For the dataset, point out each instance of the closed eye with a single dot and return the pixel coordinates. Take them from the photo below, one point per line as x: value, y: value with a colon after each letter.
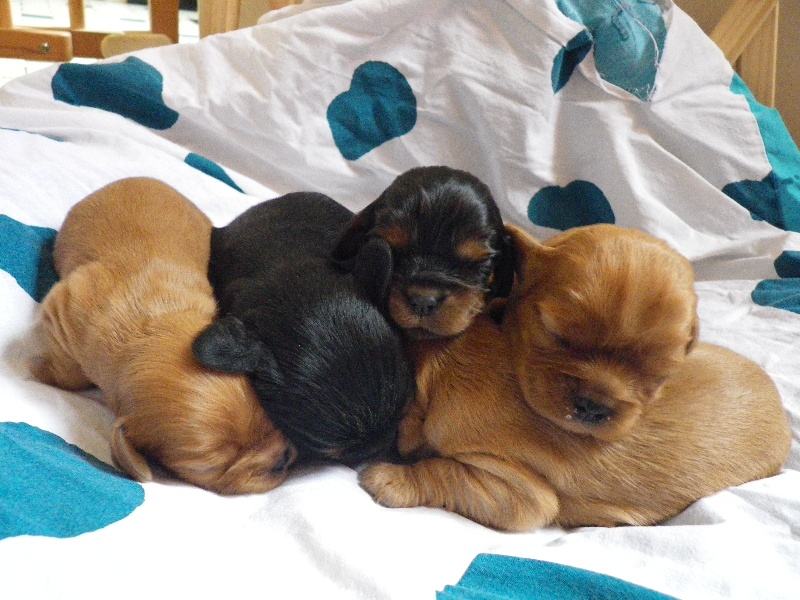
x: 560, y: 341
x: 552, y: 329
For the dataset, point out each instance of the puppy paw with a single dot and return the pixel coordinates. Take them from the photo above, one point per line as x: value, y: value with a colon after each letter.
x: 390, y: 485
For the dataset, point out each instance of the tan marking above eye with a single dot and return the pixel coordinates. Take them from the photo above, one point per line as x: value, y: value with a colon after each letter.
x: 396, y: 236
x: 473, y: 250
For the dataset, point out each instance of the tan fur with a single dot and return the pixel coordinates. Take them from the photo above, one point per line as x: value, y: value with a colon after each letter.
x: 489, y: 422
x: 455, y: 313
x: 133, y: 295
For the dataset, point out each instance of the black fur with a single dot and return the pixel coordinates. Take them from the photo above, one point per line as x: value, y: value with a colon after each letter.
x: 328, y: 368
x: 438, y: 208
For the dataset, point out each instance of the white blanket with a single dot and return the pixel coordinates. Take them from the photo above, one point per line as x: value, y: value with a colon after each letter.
x: 572, y: 111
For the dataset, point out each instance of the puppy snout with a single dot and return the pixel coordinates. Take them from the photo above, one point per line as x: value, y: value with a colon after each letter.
x: 423, y: 304
x: 590, y: 412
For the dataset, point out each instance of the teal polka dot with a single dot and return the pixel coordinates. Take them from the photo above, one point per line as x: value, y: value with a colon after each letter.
x: 628, y: 37
x: 201, y: 163
x: 777, y: 198
x: 578, y: 203
x: 26, y: 253
x: 131, y: 88
x: 568, y: 59
x: 761, y: 198
x: 51, y: 488
x: 494, y: 576
x: 379, y: 106
x: 788, y: 264
x: 778, y: 293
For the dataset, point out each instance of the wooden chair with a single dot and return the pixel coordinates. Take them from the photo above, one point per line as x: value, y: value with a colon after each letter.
x: 62, y: 44
x: 748, y: 36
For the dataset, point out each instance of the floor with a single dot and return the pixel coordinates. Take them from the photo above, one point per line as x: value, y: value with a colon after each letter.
x: 102, y: 15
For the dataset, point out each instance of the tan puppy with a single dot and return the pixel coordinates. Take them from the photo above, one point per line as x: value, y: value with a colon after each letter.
x: 133, y: 295
x: 584, y: 407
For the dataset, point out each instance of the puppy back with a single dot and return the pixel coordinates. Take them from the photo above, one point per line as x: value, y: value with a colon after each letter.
x: 205, y: 427
x: 727, y: 408
x: 132, y: 219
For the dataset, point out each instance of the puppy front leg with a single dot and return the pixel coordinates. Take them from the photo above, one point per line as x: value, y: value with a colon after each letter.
x: 489, y: 491
x: 410, y: 439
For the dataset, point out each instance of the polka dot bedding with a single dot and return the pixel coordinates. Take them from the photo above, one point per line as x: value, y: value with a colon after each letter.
x: 573, y: 112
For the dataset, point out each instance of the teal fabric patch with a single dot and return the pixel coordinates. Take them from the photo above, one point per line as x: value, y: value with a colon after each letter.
x: 778, y: 293
x: 779, y: 195
x: 201, y: 163
x: 568, y: 59
x: 628, y: 37
x: 578, y: 203
x: 51, y: 488
x: 761, y: 198
x: 131, y: 88
x: 26, y: 253
x: 379, y: 106
x: 496, y: 577
x: 788, y: 264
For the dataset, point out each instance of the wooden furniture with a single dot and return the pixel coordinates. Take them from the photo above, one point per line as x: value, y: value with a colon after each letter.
x: 219, y: 16
x: 748, y: 36
x: 62, y: 44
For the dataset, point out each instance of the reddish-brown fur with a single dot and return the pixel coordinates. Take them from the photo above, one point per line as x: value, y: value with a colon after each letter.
x: 489, y: 424
x: 133, y: 295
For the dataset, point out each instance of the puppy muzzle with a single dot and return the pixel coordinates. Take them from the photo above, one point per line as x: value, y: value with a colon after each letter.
x: 424, y: 301
x: 588, y: 411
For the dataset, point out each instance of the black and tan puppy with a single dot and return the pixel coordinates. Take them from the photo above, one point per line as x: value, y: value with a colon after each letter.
x: 327, y: 366
x: 451, y: 253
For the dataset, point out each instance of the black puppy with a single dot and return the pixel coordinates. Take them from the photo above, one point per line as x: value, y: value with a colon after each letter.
x: 450, y: 250
x: 325, y: 363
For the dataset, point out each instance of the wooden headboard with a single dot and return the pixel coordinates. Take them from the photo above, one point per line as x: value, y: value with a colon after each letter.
x: 748, y: 35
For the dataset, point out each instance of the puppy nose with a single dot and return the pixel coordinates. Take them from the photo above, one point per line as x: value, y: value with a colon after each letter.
x: 289, y: 455
x: 589, y: 411
x: 423, y: 304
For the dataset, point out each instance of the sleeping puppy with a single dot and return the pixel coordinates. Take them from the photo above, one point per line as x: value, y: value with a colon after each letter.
x: 592, y: 403
x: 451, y: 254
x: 326, y: 364
x: 133, y: 295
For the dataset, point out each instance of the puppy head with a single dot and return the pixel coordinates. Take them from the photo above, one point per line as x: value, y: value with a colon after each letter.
x: 207, y: 428
x: 599, y: 318
x: 333, y: 377
x: 450, y: 251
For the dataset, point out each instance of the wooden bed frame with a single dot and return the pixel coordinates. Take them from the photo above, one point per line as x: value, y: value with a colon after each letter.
x: 747, y: 34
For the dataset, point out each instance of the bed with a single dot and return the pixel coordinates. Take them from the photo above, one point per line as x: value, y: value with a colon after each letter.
x: 571, y: 111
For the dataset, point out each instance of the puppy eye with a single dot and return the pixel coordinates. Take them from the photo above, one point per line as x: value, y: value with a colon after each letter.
x: 561, y: 342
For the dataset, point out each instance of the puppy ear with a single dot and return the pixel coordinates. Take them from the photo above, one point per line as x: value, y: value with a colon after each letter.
x: 526, y: 249
x: 126, y: 456
x: 372, y: 270
x: 227, y: 346
x: 503, y: 275
x: 355, y: 234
